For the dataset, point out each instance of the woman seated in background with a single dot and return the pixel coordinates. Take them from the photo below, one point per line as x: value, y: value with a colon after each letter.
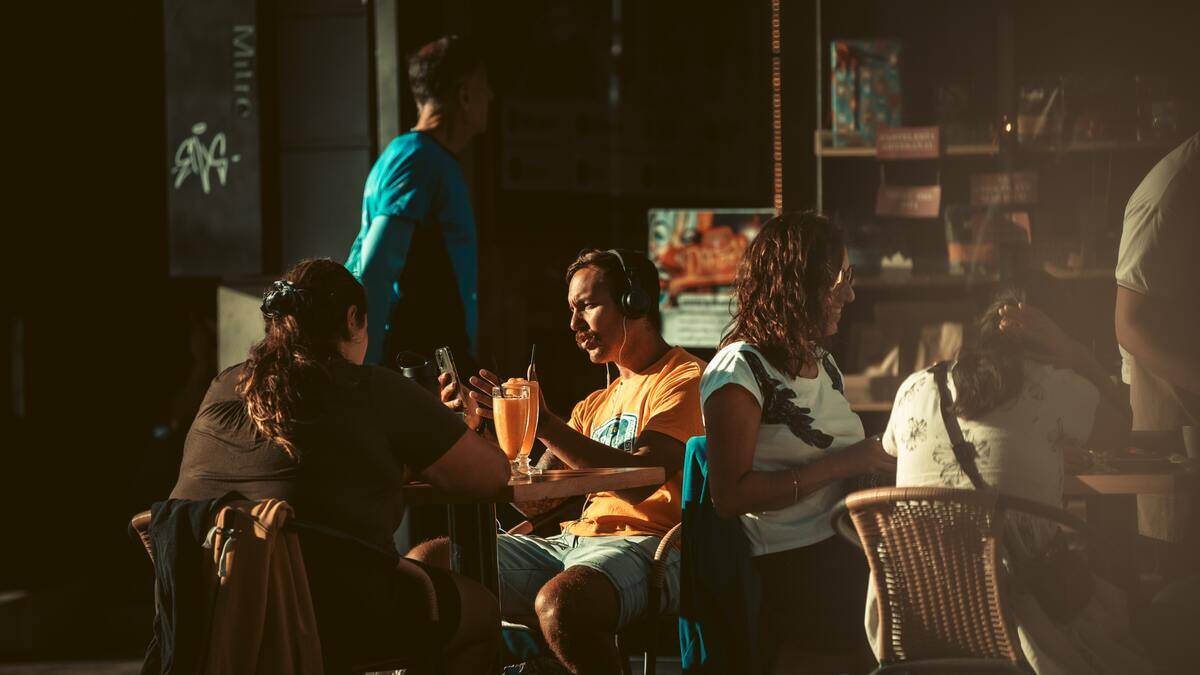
x: 1028, y: 398
x: 303, y: 420
x: 782, y: 439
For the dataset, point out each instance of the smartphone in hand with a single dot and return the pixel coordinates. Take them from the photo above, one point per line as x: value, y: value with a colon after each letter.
x: 445, y: 364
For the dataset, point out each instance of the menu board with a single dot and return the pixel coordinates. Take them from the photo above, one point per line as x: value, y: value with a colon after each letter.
x: 697, y: 252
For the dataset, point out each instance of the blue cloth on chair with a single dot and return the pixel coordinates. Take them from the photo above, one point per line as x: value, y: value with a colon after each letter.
x: 720, y: 594
x: 521, y: 644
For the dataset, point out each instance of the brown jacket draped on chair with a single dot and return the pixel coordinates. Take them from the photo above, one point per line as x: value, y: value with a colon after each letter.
x: 261, y: 618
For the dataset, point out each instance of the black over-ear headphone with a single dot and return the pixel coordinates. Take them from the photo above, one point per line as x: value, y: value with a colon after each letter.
x: 634, y: 303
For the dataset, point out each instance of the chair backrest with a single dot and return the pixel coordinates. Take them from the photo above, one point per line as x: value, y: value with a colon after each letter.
x: 934, y: 557
x: 140, y: 525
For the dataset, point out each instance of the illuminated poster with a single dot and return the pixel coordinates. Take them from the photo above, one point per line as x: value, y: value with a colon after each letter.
x: 697, y: 253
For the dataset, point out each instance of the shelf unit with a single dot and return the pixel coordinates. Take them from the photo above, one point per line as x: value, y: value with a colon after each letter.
x: 823, y: 147
x: 1057, y: 284
x: 986, y: 51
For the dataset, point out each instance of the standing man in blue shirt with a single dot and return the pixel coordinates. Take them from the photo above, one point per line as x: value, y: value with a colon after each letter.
x: 416, y: 250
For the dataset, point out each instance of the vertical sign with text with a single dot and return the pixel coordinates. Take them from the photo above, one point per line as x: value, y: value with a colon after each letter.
x: 213, y: 155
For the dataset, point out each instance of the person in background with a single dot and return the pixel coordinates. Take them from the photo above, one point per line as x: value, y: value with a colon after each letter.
x: 1158, y: 283
x: 303, y: 420
x: 416, y: 248
x: 583, y: 585
x: 1028, y: 398
x: 1157, y: 322
x: 782, y: 440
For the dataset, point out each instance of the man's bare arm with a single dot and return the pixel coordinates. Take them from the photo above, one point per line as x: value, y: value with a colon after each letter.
x: 580, y: 452
x: 549, y: 461
x: 533, y: 509
x: 1157, y: 339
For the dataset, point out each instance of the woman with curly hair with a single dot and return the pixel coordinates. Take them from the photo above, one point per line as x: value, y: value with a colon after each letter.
x: 303, y: 420
x: 782, y: 439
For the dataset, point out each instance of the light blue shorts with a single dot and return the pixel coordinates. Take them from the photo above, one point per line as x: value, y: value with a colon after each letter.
x: 527, y: 563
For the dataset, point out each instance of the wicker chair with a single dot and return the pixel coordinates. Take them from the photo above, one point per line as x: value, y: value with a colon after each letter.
x: 139, y: 528
x: 646, y: 631
x: 934, y: 555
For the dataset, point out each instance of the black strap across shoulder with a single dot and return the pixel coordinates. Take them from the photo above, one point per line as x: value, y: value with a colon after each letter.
x: 964, y: 450
x: 1059, y: 579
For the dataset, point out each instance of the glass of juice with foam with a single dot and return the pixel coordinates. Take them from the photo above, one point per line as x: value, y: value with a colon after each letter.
x: 514, y: 408
x: 531, y: 424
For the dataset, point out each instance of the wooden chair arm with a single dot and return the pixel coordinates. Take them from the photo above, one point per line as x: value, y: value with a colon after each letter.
x: 658, y: 570
x: 667, y: 542
x: 139, y: 530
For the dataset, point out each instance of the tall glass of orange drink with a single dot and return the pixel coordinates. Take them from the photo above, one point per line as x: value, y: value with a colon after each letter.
x: 531, y: 422
x: 512, y: 405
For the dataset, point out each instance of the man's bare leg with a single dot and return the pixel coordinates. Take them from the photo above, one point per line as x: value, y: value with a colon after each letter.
x: 578, y: 611
x: 435, y: 553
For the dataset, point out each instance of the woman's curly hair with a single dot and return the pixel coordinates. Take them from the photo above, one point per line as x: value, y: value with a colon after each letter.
x: 782, y: 289
x: 286, y: 378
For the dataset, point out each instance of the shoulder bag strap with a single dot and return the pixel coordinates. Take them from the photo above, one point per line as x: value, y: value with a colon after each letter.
x: 964, y: 451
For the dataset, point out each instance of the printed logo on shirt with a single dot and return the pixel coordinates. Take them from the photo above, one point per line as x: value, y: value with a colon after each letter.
x: 619, y: 432
x: 778, y: 407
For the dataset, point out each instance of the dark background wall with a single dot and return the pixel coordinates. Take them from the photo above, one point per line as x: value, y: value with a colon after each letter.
x: 86, y: 288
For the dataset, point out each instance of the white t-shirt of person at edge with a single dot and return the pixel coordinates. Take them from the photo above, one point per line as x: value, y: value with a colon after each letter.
x: 1160, y: 236
x: 802, y: 420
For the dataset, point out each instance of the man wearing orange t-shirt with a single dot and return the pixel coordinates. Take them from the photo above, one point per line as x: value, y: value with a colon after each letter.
x: 588, y: 582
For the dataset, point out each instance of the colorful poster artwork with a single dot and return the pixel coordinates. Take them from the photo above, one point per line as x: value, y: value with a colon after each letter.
x: 697, y: 252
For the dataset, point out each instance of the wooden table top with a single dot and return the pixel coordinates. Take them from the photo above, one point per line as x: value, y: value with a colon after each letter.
x: 551, y: 484
x: 1158, y: 483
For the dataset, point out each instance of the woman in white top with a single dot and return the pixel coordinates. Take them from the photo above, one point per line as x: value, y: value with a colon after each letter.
x: 782, y: 438
x: 1027, y: 397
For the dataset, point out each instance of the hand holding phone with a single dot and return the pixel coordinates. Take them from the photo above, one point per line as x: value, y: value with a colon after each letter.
x: 453, y: 393
x: 475, y: 406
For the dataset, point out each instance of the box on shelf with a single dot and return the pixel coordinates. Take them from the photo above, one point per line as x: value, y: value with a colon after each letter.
x: 864, y: 89
x: 900, y: 143
x: 1002, y: 189
x: 908, y: 201
x: 1041, y: 111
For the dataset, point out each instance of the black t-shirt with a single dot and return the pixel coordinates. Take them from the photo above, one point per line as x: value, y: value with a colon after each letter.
x: 370, y: 426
